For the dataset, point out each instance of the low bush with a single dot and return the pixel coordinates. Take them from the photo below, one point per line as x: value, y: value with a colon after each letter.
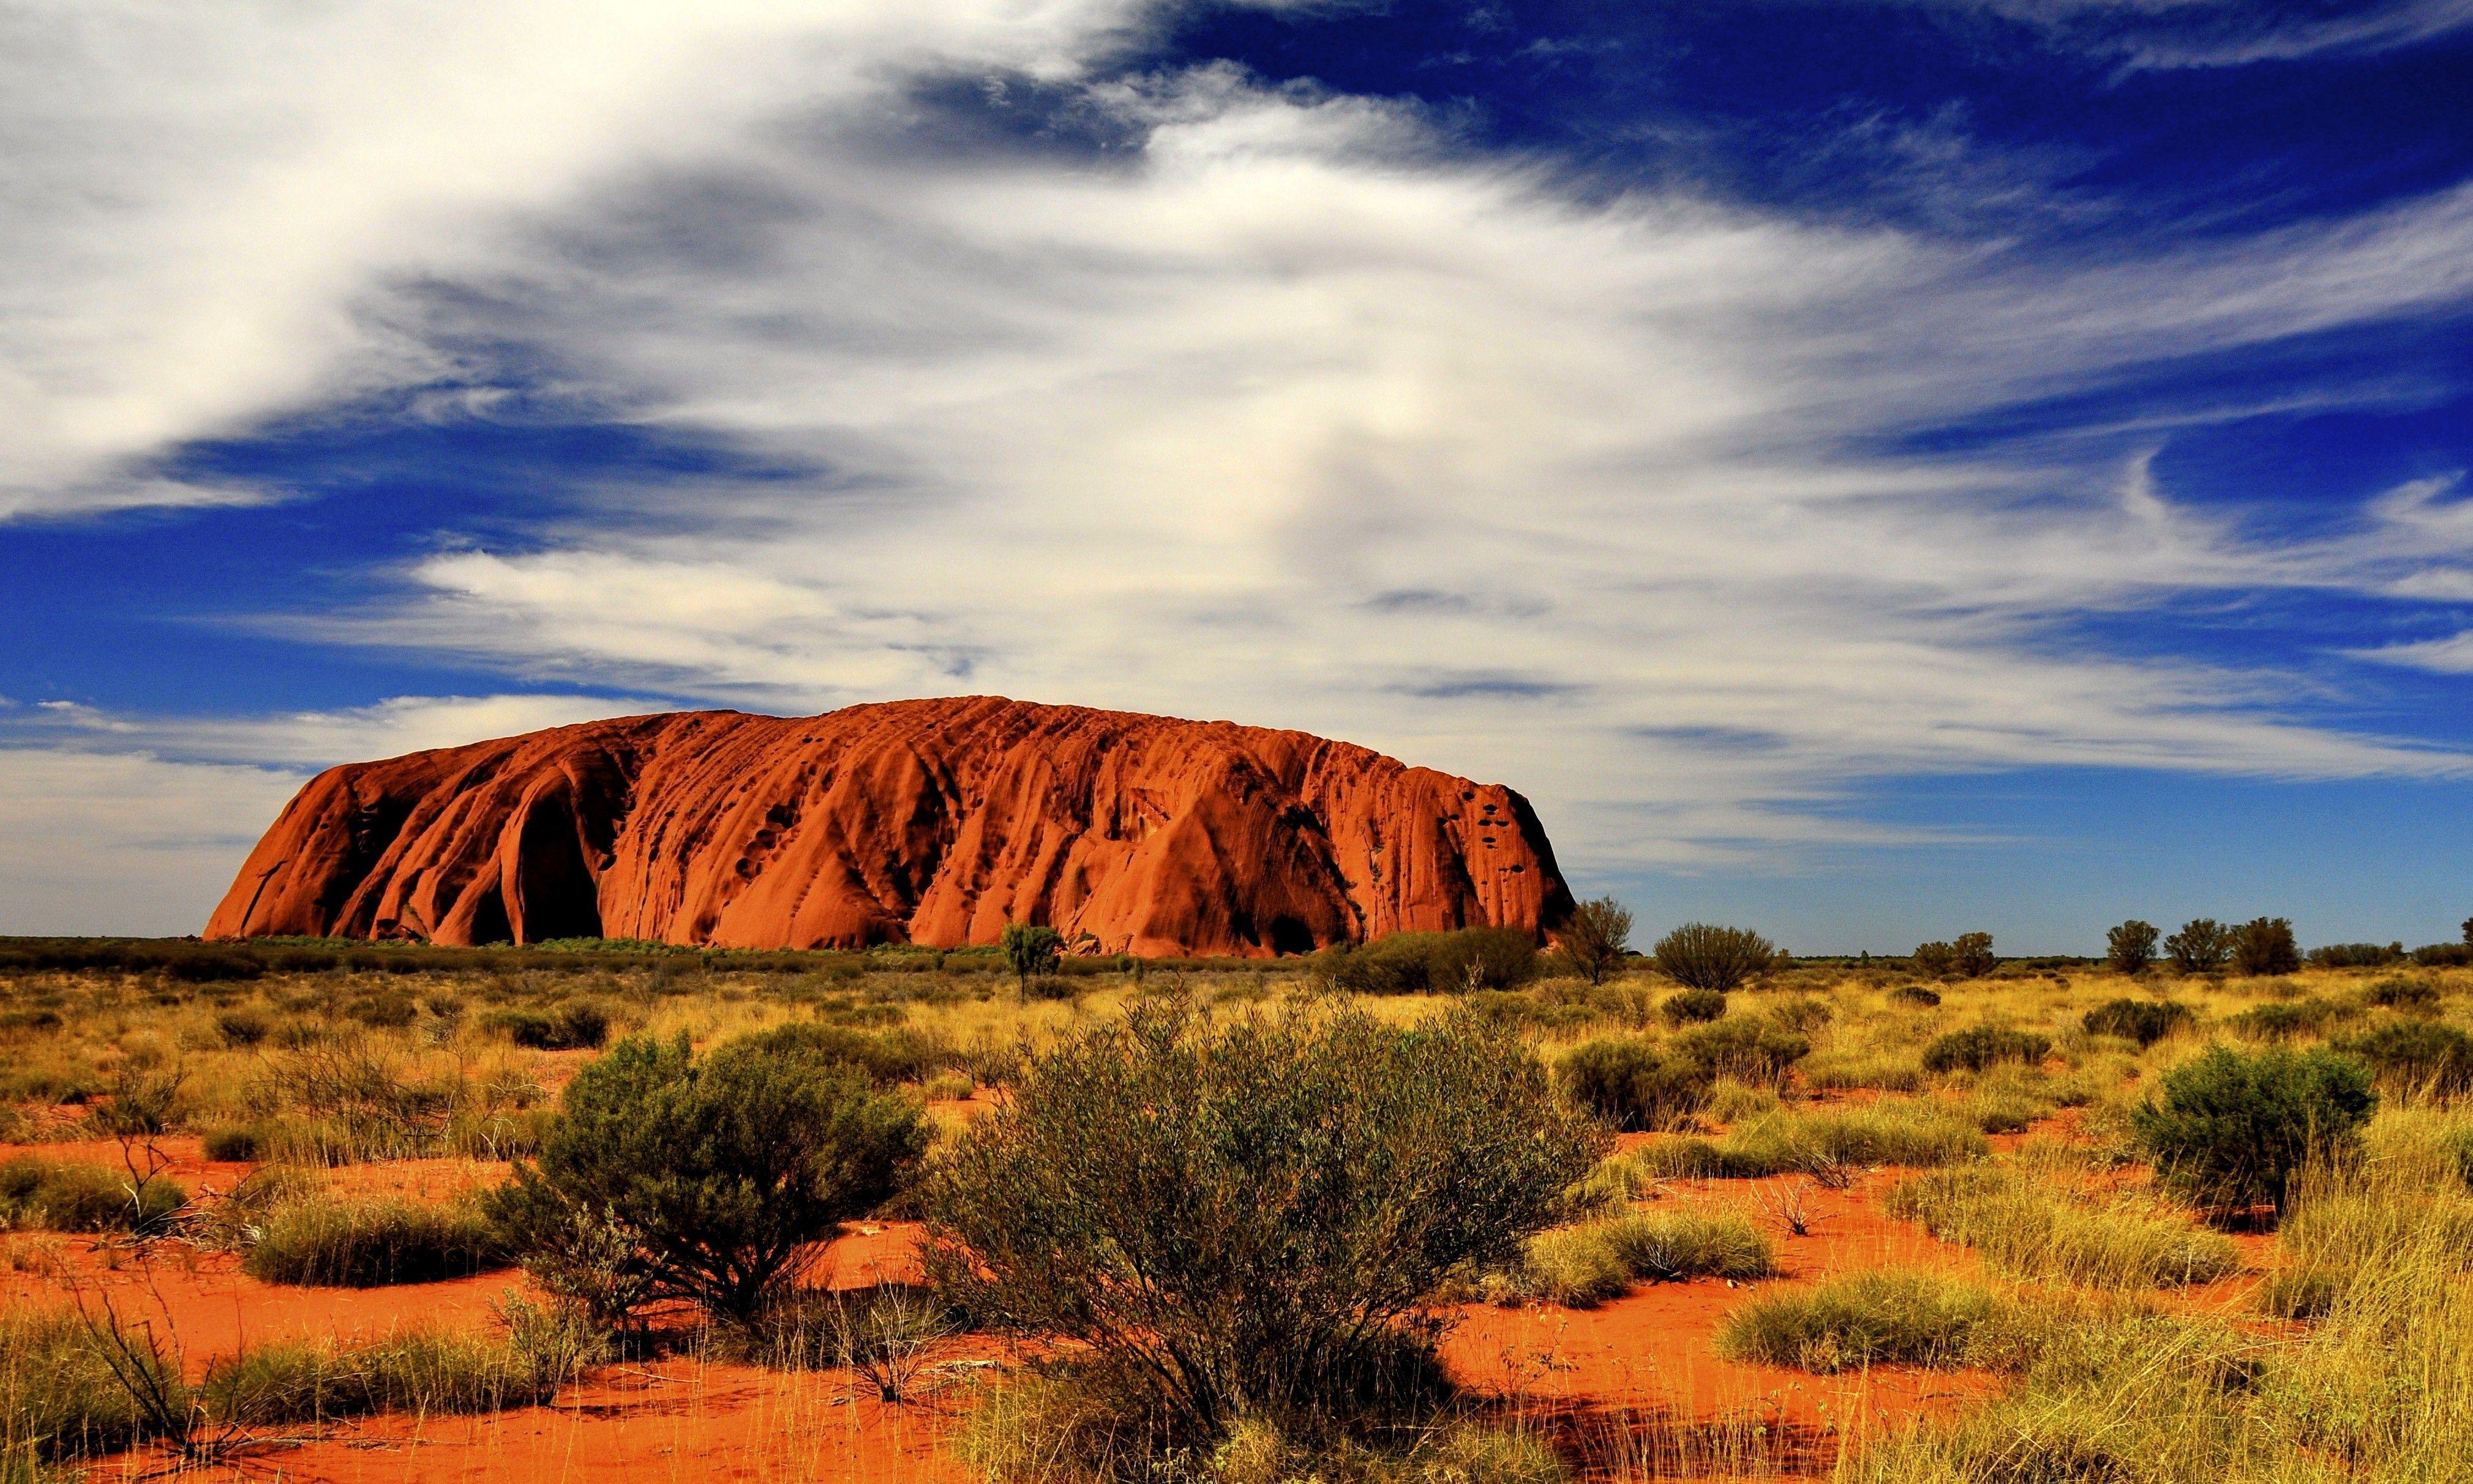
x: 59, y: 1195
x: 2029, y: 1229
x: 709, y: 1178
x: 1690, y: 1007
x: 1886, y: 1317
x: 2399, y: 992
x: 1888, y: 1071
x: 1980, y: 1046
x: 575, y: 1025
x: 2286, y: 1020
x: 1580, y: 1266
x: 1824, y: 1141
x: 244, y: 1028
x: 2144, y: 1022
x: 1240, y: 1217
x: 1701, y: 956
x: 2358, y: 955
x: 2231, y: 1131
x: 235, y: 1143
x: 1451, y: 963
x: 62, y: 1391
x: 427, y: 1370
x: 2416, y: 1057
x: 1745, y: 1047
x: 1633, y: 1080
x: 327, y: 1243
x: 1915, y: 996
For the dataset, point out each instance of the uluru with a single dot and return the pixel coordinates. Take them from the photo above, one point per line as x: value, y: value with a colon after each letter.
x: 933, y: 822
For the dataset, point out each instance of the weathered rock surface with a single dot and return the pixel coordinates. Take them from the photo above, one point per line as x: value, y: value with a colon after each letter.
x: 928, y: 822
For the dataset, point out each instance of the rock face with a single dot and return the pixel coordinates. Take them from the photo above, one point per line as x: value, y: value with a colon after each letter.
x: 928, y: 822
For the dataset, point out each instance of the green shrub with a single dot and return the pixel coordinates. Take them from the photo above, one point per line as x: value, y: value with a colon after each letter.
x: 2231, y: 1129
x: 1971, y: 955
x: 1690, y: 1007
x: 888, y: 1058
x: 2144, y: 1022
x: 1242, y: 1215
x: 2399, y: 992
x: 2416, y: 1055
x: 319, y: 1242
x: 1866, y: 1319
x: 57, y: 1195
x: 246, y: 1027
x: 1453, y: 963
x: 2264, y: 945
x: 1632, y: 1080
x: 1915, y: 996
x: 2284, y: 1019
x: 1701, y: 956
x: 574, y: 1026
x: 1980, y: 1046
x: 705, y: 1179
x: 1744, y: 1047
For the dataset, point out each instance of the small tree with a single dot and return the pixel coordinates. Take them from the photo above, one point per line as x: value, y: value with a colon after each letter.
x: 1971, y: 955
x: 1935, y: 959
x: 2199, y: 948
x: 2264, y: 945
x: 1030, y: 949
x: 2232, y: 1130
x: 2131, y: 946
x: 1705, y: 957
x: 2468, y: 932
x: 1594, y: 938
x: 670, y: 1177
x: 1240, y: 1218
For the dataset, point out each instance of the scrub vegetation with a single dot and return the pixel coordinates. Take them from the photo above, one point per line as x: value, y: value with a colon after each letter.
x: 2197, y: 1210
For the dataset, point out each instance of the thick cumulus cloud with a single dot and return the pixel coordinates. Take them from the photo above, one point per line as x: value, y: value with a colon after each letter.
x: 1187, y: 394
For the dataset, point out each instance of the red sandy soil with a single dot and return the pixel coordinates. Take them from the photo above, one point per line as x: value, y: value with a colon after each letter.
x: 1629, y: 1368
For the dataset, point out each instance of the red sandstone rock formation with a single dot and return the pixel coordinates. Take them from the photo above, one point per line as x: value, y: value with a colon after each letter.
x: 930, y: 822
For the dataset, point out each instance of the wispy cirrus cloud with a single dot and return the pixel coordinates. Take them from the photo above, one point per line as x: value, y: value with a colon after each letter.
x: 1168, y: 409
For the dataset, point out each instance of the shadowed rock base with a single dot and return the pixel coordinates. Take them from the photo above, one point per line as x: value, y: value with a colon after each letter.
x: 928, y: 822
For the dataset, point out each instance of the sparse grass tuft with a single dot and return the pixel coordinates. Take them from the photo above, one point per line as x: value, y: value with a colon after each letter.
x: 1887, y: 1316
x: 1819, y: 1141
x: 321, y: 1243
x: 59, y: 1195
x: 2030, y: 1229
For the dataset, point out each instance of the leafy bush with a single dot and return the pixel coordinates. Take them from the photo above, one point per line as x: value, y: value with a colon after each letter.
x: 1632, y: 1080
x: 1745, y: 1047
x: 2264, y: 947
x: 2231, y: 1129
x: 1915, y: 996
x: 1240, y: 1217
x: 1701, y: 956
x: 2358, y: 955
x: 1935, y: 959
x: 574, y: 1026
x: 1690, y: 1007
x: 1980, y: 1046
x: 57, y: 1195
x: 1594, y: 938
x: 1030, y: 949
x: 705, y: 1179
x: 2144, y: 1022
x: 2398, y: 992
x: 2131, y: 946
x: 1884, y: 1317
x: 2415, y: 1056
x: 323, y: 1243
x: 2200, y: 947
x: 1453, y: 963
x: 2284, y: 1020
x: 1971, y: 955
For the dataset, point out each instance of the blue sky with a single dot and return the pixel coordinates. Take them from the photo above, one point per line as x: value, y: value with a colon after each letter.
x: 1866, y: 471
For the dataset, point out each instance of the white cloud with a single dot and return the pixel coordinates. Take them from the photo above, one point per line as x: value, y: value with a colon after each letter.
x: 1287, y: 414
